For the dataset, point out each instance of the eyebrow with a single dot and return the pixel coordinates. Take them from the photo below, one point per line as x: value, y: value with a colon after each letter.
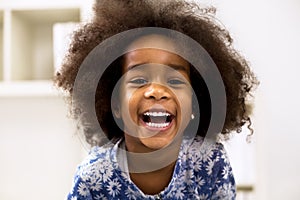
x: 174, y: 66
x: 178, y: 67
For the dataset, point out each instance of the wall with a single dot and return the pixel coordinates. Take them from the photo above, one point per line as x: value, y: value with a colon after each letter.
x: 1, y: 46
x: 39, y: 150
x: 267, y: 33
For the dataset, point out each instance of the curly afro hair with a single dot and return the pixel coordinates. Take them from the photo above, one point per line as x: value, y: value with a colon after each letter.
x: 199, y: 23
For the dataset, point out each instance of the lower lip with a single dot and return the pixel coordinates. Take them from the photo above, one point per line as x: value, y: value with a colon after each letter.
x: 157, y: 129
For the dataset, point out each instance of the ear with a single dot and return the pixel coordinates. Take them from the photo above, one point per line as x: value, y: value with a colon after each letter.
x: 116, y: 110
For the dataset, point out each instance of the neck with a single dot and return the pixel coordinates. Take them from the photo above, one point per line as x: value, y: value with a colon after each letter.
x: 151, y: 170
x: 153, y: 182
x: 152, y: 161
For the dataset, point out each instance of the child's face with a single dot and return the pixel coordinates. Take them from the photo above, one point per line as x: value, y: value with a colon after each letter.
x: 155, y: 96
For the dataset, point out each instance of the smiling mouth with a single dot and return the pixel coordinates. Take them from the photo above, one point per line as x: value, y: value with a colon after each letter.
x: 157, y: 119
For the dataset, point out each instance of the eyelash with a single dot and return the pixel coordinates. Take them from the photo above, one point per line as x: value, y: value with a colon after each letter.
x: 175, y: 82
x: 139, y: 81
x: 142, y: 82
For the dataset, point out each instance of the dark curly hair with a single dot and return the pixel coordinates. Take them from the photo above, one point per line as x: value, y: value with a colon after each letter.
x: 115, y: 16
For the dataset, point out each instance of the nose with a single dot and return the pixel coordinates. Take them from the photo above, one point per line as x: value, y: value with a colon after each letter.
x: 157, y: 92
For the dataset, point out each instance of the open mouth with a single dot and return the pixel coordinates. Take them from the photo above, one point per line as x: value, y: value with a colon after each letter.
x: 157, y: 119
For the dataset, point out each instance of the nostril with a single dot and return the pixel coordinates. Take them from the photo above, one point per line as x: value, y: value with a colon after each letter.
x: 156, y: 97
x: 156, y: 92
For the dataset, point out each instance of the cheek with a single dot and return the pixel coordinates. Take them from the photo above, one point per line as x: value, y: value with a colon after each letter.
x: 129, y: 102
x: 185, y: 106
x: 185, y: 101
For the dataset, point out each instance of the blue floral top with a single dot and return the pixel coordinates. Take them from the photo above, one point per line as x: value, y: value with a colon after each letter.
x: 199, y: 173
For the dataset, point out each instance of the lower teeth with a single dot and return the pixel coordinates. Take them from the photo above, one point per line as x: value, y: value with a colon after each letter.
x: 158, y: 125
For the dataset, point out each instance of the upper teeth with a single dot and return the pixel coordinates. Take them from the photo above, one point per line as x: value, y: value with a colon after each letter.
x: 157, y: 114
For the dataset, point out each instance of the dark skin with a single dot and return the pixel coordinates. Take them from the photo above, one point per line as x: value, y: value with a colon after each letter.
x: 153, y: 182
x: 114, y: 17
x: 141, y: 91
x: 200, y: 24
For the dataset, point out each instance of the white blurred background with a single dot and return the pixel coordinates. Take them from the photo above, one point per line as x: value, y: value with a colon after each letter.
x: 39, y: 150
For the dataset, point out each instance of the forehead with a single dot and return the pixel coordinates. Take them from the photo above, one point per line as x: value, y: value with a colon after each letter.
x: 153, y: 49
x: 153, y: 56
x: 153, y: 41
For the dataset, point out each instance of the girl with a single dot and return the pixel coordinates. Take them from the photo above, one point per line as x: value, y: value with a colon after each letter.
x: 152, y: 85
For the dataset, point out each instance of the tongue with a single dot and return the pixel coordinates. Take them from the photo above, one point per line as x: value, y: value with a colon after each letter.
x: 158, y: 119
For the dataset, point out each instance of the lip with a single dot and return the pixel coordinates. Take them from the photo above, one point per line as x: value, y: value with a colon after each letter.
x: 156, y: 129
x: 157, y: 126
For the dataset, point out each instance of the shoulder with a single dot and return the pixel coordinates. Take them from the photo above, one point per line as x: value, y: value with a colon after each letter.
x: 205, y: 166
x: 204, y: 157
x: 207, y: 158
x: 212, y: 164
x: 94, y: 174
x: 98, y: 158
x: 204, y: 149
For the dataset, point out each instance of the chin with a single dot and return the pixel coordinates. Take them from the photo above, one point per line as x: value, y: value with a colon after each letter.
x: 155, y: 143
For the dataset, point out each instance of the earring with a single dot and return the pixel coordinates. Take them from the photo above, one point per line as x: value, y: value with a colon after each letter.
x: 116, y: 112
x: 192, y: 116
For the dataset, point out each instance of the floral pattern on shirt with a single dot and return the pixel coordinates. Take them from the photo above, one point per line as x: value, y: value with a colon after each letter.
x: 200, y: 173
